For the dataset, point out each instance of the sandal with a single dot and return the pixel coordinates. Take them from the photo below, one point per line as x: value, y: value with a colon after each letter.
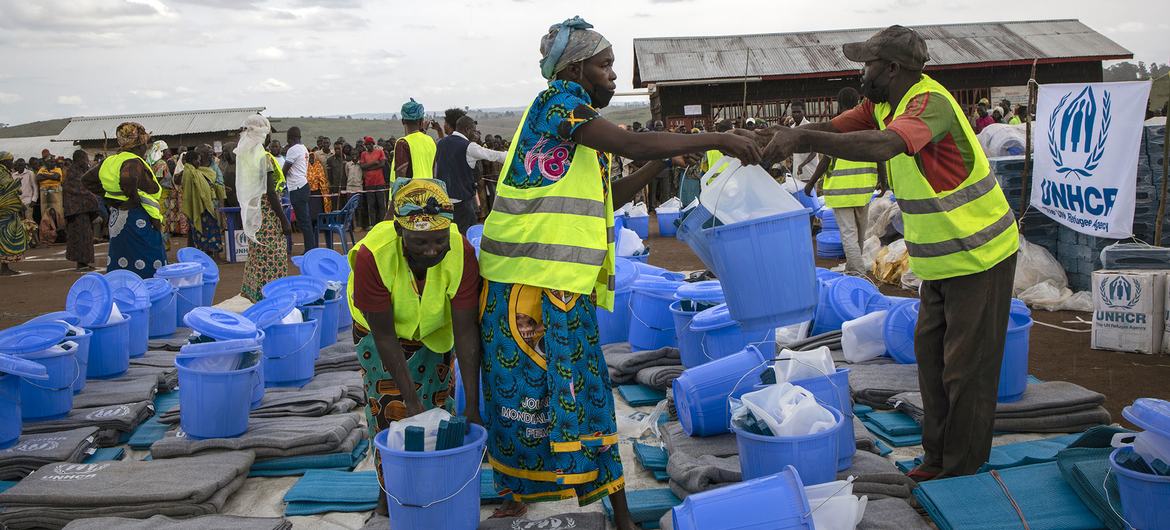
x: 516, y: 509
x: 920, y: 474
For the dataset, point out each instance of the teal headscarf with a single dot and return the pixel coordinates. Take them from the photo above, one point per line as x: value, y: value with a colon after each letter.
x: 412, y: 110
x: 569, y: 42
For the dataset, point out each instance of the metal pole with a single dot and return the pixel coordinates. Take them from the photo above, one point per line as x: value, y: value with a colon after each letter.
x: 1025, y: 184
x: 1162, y: 199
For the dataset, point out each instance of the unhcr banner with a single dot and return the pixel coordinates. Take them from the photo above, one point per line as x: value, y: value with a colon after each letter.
x: 1085, y: 158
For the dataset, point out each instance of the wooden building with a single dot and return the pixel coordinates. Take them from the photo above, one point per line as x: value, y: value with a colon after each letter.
x: 706, y: 79
x: 98, y: 134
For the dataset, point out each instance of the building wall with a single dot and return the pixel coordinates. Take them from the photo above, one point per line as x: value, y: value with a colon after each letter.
x: 186, y: 140
x: 769, y: 99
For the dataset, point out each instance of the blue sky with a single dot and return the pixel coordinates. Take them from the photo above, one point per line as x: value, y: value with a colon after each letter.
x: 306, y: 57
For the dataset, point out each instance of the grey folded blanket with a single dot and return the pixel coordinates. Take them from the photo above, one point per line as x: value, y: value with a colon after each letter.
x: 162, y: 522
x: 160, y: 364
x: 35, y: 450
x: 280, y: 403
x: 1049, y: 407
x: 876, y: 476
x: 102, y: 392
x: 624, y: 364
x: 865, y: 440
x: 875, y: 384
x: 58, y: 493
x: 677, y: 441
x: 890, y: 514
x: 697, y: 473
x: 118, y: 418
x: 171, y: 343
x: 271, y: 437
x: 339, y: 357
x: 659, y: 377
x: 351, y: 380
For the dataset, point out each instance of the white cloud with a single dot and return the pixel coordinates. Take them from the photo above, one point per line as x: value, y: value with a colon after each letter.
x: 150, y: 94
x: 7, y: 98
x: 183, y: 90
x: 270, y: 53
x: 69, y: 100
x: 270, y: 85
x: 1132, y: 26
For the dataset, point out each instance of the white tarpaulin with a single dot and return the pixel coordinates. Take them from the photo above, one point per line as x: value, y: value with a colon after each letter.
x: 1087, y: 138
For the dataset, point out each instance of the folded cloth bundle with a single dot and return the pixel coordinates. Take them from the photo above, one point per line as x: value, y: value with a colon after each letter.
x: 172, y: 343
x: 676, y: 440
x: 1052, y: 406
x: 875, y: 384
x: 153, y: 430
x: 58, y: 493
x: 272, y: 437
x: 162, y: 522
x: 877, y: 477
x: 697, y: 473
x: 577, y: 521
x: 281, y: 403
x: 865, y: 439
x: 624, y: 364
x: 890, y: 514
x: 113, y: 420
x: 321, y: 491
x: 351, y: 380
x: 659, y: 377
x: 342, y: 406
x: 103, y: 392
x: 339, y: 357
x: 299, y: 465
x: 160, y: 364
x: 35, y: 450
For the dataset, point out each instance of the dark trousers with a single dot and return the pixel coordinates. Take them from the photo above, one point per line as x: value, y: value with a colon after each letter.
x: 962, y: 323
x: 466, y: 215
x: 375, y: 199
x: 300, y: 203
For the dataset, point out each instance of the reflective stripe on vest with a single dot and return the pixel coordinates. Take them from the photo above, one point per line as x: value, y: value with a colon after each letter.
x: 558, y: 236
x: 953, y: 233
x: 110, y: 175
x: 279, y: 185
x: 422, y: 156
x: 426, y: 317
x: 713, y: 156
x: 850, y: 184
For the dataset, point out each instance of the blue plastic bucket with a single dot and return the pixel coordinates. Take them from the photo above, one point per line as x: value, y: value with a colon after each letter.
x: 217, y: 379
x: 461, y: 394
x: 808, y: 201
x: 813, y: 455
x: 109, y: 350
x: 1013, y: 371
x: 698, y: 296
x: 700, y: 393
x: 774, y: 502
x: 619, y: 222
x: 329, y: 319
x: 1143, y: 496
x: 640, y: 225
x: 133, y: 299
x: 646, y: 269
x: 39, y: 342
x: 91, y: 299
x: 162, y: 308
x: 82, y: 340
x: 187, y: 278
x: 720, y: 336
x: 614, y: 326
x: 829, y: 244
x: 833, y: 391
x: 290, y: 351
x: 692, y: 232
x: 766, y: 288
x: 651, y: 324
x: 210, y: 271
x: 329, y: 265
x: 433, y: 489
x: 666, y: 226
x: 901, y: 319
x: 689, y: 345
x: 139, y: 329
x: 842, y: 300
x: 12, y: 370
x: 828, y: 219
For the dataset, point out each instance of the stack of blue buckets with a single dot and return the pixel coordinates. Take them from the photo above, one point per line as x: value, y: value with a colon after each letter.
x: 829, y: 238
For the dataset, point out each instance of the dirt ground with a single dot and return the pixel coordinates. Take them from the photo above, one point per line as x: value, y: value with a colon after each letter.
x: 1054, y: 354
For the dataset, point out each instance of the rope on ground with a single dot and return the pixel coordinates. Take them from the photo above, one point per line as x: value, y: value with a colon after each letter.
x: 995, y: 474
x: 1061, y: 328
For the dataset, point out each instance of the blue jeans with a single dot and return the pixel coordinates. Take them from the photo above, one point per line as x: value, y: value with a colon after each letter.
x: 300, y: 203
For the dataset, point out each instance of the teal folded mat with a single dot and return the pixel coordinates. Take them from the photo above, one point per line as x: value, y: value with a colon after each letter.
x: 652, y: 457
x: 888, y: 419
x: 153, y: 430
x: 487, y: 489
x: 106, y: 454
x: 1085, y: 469
x: 646, y: 506
x: 641, y: 395
x: 895, y: 423
x: 978, y: 501
x: 5, y: 484
x: 882, y: 448
x: 299, y: 465
x: 321, y: 491
x: 1036, y: 451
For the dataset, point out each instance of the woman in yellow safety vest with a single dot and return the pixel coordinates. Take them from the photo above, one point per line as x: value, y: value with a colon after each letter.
x: 133, y: 196
x: 547, y: 256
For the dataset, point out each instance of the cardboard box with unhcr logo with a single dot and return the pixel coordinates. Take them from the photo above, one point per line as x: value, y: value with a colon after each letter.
x: 1128, y: 310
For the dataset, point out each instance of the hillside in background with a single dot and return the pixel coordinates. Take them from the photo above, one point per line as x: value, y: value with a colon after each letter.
x: 36, y: 128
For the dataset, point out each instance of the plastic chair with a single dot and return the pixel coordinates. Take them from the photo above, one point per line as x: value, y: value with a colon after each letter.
x: 341, y: 222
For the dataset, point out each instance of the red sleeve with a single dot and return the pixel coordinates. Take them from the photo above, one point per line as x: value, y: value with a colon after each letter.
x: 468, y: 295
x: 370, y: 295
x: 401, y: 157
x: 925, y: 118
x: 859, y: 118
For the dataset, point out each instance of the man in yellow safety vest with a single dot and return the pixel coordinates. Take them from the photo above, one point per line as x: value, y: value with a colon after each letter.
x: 414, y: 153
x: 960, y: 233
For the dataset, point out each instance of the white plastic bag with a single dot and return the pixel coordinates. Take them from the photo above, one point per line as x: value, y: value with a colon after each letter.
x: 115, y: 314
x: 834, y: 506
x: 789, y: 334
x: 863, y: 339
x: 802, y: 415
x: 869, y: 252
x: 797, y: 365
x: 671, y: 206
x: 629, y: 244
x: 428, y: 420
x: 764, y: 404
x: 295, y: 316
x: 734, y: 193
x: 638, y: 210
x: 1034, y: 266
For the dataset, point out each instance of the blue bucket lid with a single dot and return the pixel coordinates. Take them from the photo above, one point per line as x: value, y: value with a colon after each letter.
x: 91, y: 299
x: 219, y: 347
x: 128, y: 289
x: 710, y: 291
x: 625, y: 274
x: 832, y: 237
x: 270, y: 310
x: 1150, y: 414
x: 307, y: 289
x: 194, y: 255
x: 656, y: 284
x: 647, y: 269
x: 219, y: 324
x: 23, y: 367
x: 326, y: 264
x: 58, y: 316
x: 178, y: 270
x: 157, y: 288
x: 32, y: 338
x: 714, y: 318
x: 298, y: 260
x: 851, y: 294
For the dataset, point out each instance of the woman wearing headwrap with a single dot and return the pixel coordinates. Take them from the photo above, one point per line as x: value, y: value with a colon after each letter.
x: 413, y: 293
x: 548, y: 257
x: 261, y: 213
x: 81, y: 208
x: 156, y: 158
x: 201, y: 193
x: 414, y: 153
x: 133, y: 195
x: 13, y: 236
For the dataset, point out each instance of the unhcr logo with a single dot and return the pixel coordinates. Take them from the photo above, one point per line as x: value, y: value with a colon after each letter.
x: 1077, y: 132
x: 1119, y: 292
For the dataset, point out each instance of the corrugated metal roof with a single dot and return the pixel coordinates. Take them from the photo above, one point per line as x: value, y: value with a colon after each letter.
x: 159, y: 123
x: 809, y: 53
x: 31, y: 146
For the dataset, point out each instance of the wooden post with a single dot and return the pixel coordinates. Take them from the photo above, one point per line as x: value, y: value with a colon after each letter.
x: 1162, y: 199
x: 1026, y: 181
